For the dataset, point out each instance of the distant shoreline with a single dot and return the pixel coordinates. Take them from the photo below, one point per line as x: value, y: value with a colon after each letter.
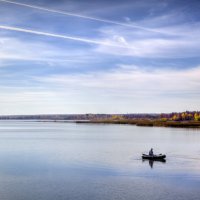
x: 187, y: 119
x: 146, y: 122
x: 136, y: 122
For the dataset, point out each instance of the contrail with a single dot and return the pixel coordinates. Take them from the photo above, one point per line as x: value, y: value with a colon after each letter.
x: 82, y: 16
x: 10, y: 28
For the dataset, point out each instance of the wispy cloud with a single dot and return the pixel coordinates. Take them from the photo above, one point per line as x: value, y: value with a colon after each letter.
x: 134, y: 79
x: 182, y: 43
x: 127, y: 88
x: 137, y: 57
x: 39, y: 51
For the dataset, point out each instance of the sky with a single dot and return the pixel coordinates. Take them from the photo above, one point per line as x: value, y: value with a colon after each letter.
x: 87, y: 56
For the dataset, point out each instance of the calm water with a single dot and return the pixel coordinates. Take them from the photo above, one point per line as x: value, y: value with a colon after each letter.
x: 63, y: 161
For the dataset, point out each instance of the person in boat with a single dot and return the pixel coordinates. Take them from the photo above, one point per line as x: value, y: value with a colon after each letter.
x: 151, y: 152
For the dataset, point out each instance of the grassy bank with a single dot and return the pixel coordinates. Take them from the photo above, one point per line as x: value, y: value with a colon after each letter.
x: 147, y: 122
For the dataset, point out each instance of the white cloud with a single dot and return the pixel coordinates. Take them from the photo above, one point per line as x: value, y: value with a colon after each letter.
x: 127, y: 19
x: 180, y: 41
x: 12, y: 49
x: 132, y: 78
x: 125, y: 89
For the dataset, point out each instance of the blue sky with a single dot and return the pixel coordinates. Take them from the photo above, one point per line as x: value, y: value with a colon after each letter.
x: 85, y: 56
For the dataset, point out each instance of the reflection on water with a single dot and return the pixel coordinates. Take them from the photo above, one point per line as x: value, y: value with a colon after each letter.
x: 51, y: 161
x: 151, y: 162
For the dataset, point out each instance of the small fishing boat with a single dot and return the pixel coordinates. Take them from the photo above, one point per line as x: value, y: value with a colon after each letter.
x: 154, y: 157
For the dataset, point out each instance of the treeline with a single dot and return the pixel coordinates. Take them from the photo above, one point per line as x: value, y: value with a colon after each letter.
x: 182, y: 116
x: 55, y: 117
x: 175, y: 116
x: 79, y: 116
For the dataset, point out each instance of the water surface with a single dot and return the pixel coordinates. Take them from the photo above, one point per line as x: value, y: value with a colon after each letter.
x: 50, y: 161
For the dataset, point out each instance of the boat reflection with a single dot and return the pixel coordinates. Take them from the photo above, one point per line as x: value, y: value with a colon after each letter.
x: 151, y: 162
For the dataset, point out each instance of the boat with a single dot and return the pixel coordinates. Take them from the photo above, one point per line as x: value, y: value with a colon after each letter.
x: 154, y: 157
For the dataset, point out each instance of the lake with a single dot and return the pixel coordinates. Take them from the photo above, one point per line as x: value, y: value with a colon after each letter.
x: 64, y: 161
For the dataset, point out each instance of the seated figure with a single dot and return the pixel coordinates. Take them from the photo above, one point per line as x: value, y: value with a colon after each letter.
x: 151, y: 152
